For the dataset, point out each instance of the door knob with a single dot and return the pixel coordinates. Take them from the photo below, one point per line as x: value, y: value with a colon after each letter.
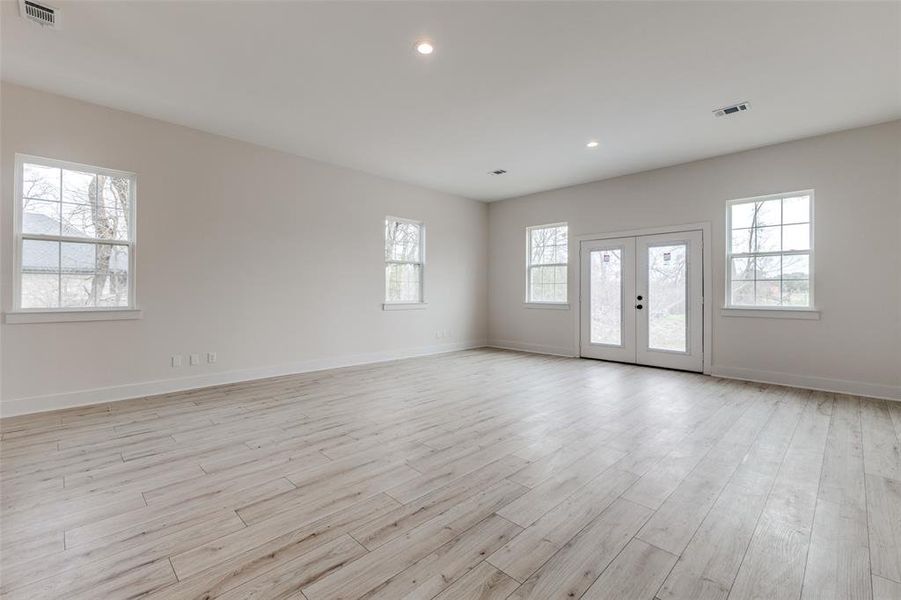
x: 638, y: 298
x: 638, y: 306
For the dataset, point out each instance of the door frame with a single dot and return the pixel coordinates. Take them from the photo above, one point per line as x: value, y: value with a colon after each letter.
x: 706, y: 285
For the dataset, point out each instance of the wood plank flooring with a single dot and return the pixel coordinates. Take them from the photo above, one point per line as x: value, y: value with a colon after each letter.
x: 483, y: 474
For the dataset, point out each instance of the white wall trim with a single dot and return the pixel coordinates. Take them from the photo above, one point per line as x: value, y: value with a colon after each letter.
x: 806, y: 314
x: 809, y: 382
x: 35, y: 404
x: 70, y: 316
x: 547, y: 305
x: 404, y: 306
x: 603, y: 235
x: 841, y: 386
x: 533, y: 348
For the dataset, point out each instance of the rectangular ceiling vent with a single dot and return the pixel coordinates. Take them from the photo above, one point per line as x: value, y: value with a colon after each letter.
x: 497, y: 172
x: 731, y: 110
x: 44, y: 15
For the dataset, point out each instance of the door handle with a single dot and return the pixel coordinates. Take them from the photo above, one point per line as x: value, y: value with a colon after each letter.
x: 638, y: 306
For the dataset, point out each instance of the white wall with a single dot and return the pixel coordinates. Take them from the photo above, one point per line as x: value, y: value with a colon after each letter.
x: 273, y: 261
x: 218, y: 219
x: 856, y: 346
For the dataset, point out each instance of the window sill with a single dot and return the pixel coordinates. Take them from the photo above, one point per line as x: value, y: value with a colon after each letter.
x: 547, y: 305
x: 68, y: 316
x: 404, y: 306
x: 808, y: 314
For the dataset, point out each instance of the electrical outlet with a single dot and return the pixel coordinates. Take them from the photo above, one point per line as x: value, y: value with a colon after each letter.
x: 211, y: 357
x: 195, y: 360
x: 176, y: 360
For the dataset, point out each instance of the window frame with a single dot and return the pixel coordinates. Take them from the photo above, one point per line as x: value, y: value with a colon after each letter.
x: 403, y: 305
x: 564, y: 304
x: 89, y: 313
x: 744, y: 309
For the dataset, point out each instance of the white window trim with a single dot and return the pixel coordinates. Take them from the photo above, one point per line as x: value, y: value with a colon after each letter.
x: 548, y: 305
x: 48, y: 315
x: 528, y: 302
x: 72, y: 315
x: 387, y: 305
x: 774, y: 312
x: 404, y: 306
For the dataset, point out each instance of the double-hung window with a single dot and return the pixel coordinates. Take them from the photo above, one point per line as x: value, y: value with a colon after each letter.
x: 74, y: 229
x: 548, y: 254
x: 404, y: 261
x: 769, y: 262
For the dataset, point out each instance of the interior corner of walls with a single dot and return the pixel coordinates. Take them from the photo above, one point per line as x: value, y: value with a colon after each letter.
x: 811, y: 382
x: 72, y: 399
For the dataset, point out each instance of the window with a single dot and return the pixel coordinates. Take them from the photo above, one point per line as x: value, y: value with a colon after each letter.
x: 404, y: 261
x: 548, y: 257
x: 769, y: 260
x: 74, y: 229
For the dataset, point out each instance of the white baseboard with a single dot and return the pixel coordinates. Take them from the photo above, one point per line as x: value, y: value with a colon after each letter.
x: 533, y: 348
x: 36, y: 404
x: 841, y: 386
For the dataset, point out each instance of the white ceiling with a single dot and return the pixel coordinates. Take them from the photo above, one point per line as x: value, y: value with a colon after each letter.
x: 515, y: 85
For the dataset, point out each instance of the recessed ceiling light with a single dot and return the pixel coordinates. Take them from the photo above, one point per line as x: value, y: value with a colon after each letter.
x: 424, y: 47
x: 592, y: 144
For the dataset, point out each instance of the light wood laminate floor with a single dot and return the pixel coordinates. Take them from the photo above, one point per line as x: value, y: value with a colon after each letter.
x: 478, y: 474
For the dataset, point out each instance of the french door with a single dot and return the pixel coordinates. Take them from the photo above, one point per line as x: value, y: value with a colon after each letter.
x: 642, y: 300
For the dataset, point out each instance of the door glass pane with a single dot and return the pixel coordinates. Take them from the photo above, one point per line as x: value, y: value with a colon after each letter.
x: 607, y: 297
x: 666, y: 302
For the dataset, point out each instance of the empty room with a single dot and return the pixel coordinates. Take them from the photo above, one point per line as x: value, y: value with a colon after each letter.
x: 450, y: 300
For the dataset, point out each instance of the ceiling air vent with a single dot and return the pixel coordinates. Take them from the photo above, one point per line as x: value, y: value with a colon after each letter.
x: 44, y: 15
x: 497, y: 172
x: 731, y: 110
